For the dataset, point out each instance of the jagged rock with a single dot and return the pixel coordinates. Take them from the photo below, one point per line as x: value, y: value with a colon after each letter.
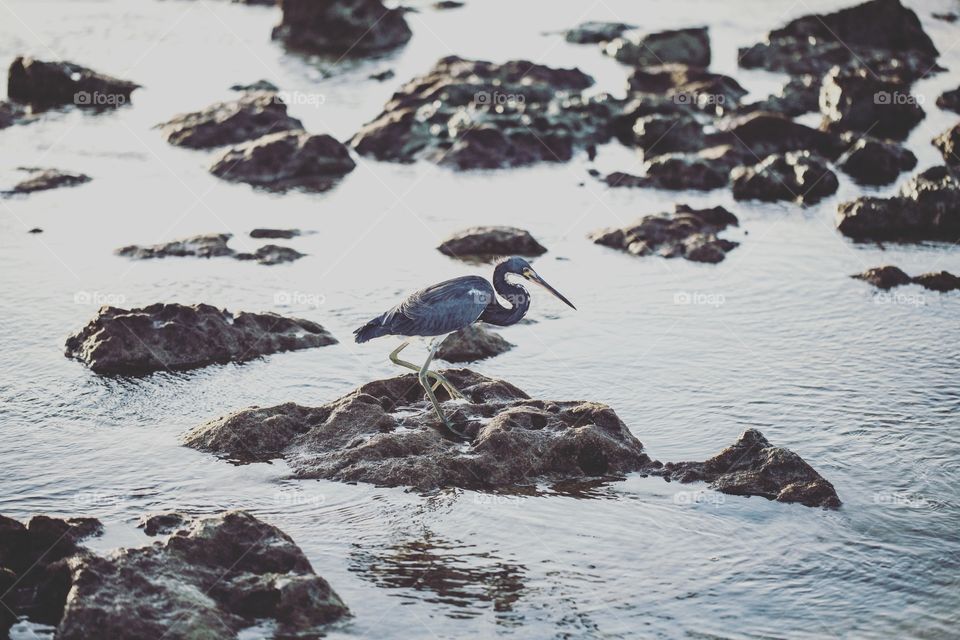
x: 800, y: 95
x: 684, y: 46
x: 275, y: 233
x: 887, y: 277
x: 212, y: 580
x: 795, y: 176
x: 948, y: 144
x: 175, y: 336
x: 251, y: 116
x: 472, y: 343
x: 688, y: 233
x: 856, y: 100
x: 754, y: 467
x: 596, y: 32
x: 270, y: 254
x: 208, y: 245
x: 949, y: 100
x: 259, y: 85
x: 286, y: 160
x: 927, y: 208
x: 881, y: 35
x: 478, y: 115
x: 875, y: 162
x: 43, y: 179
x: 52, y: 84
x: 341, y: 27
x: 491, y: 242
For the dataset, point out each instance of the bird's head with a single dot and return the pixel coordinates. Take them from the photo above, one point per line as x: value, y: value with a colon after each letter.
x: 522, y: 268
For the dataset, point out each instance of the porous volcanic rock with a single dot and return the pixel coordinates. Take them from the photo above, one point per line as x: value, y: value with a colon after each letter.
x: 856, y: 100
x: 875, y: 162
x: 596, y: 32
x: 248, y: 117
x: 797, y: 176
x: 208, y: 245
x: 43, y: 179
x: 948, y: 143
x: 684, y: 46
x: 52, y: 84
x: 472, y: 343
x: 688, y: 233
x: 887, y: 277
x: 491, y: 242
x: 341, y: 27
x: 175, y: 336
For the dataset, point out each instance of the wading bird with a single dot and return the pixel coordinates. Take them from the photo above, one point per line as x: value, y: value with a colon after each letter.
x: 448, y: 306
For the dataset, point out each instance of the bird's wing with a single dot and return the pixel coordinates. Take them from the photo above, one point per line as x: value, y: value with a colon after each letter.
x: 440, y: 308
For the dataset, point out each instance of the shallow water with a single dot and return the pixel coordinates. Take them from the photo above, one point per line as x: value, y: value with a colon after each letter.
x: 860, y: 384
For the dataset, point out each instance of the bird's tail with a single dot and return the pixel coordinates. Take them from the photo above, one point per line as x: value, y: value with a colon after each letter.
x: 369, y: 331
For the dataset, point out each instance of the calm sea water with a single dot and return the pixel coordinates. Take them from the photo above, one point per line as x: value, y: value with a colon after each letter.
x: 863, y: 386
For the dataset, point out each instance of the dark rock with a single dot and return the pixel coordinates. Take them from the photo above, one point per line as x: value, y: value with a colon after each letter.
x: 688, y: 233
x: 684, y: 46
x: 660, y: 133
x: 478, y: 115
x: 383, y: 75
x: 259, y: 85
x: 625, y: 113
x: 927, y: 208
x: 44, y: 179
x: 491, y: 242
x: 53, y: 84
x: 596, y: 32
x: 754, y: 467
x: 948, y: 16
x: 341, y: 27
x: 875, y: 162
x: 885, y: 277
x: 681, y: 171
x: 162, y: 523
x: 275, y: 233
x: 694, y: 86
x: 939, y: 281
x: 251, y: 116
x: 447, y: 4
x: 35, y: 230
x: 762, y: 134
x: 949, y: 100
x: 859, y: 101
x: 800, y: 95
x: 472, y: 343
x: 795, y: 176
x: 286, y: 160
x: 222, y: 575
x: 11, y: 113
x: 948, y: 143
x: 270, y: 254
x: 174, y: 336
x: 209, y: 245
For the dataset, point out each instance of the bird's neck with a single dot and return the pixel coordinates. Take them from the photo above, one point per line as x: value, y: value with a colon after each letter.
x: 514, y: 294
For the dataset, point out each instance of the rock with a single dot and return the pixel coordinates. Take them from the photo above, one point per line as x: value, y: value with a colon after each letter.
x: 940, y: 281
x: 859, y: 101
x: 11, y: 113
x: 43, y: 179
x: 52, y: 84
x: 472, y: 343
x: 948, y: 16
x: 596, y: 32
x: 875, y: 162
x: 35, y: 230
x: 626, y: 113
x: 383, y: 75
x: 681, y: 171
x: 927, y: 208
x: 286, y: 160
x: 762, y: 134
x: 341, y: 27
x: 221, y: 576
x: 275, y: 233
x: 754, y: 467
x: 694, y: 86
x: 270, y: 254
x: 949, y: 100
x: 881, y: 35
x: 478, y: 115
x: 259, y: 85
x: 948, y: 144
x: 162, y: 523
x: 491, y: 242
x: 175, y: 336
x: 688, y: 233
x: 447, y: 4
x: 660, y: 133
x: 251, y: 116
x: 800, y: 95
x: 209, y: 245
x: 885, y: 277
x: 795, y: 176
x: 684, y: 46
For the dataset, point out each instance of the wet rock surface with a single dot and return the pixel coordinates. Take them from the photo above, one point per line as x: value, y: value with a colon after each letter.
x: 948, y: 144
x: 210, y: 245
x: 683, y: 46
x: 175, y: 336
x: 758, y: 135
x: 468, y: 114
x: 875, y: 162
x: 53, y: 84
x: 927, y: 208
x: 856, y: 100
x: 486, y: 243
x: 688, y: 233
x: 41, y: 179
x: 246, y: 118
x: 797, y: 176
x: 341, y: 27
x: 888, y: 276
x: 286, y: 160
x: 596, y: 32
x: 472, y: 343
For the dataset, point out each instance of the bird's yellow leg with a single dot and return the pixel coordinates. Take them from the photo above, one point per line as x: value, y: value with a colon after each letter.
x: 424, y: 381
x: 440, y: 380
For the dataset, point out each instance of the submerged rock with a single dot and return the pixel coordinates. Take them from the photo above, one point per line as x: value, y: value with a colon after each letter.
x: 491, y: 242
x: 43, y: 179
x: 210, y: 245
x: 52, y: 84
x: 286, y: 160
x: 246, y: 118
x: 856, y: 100
x: 688, y: 233
x: 948, y: 144
x: 341, y: 27
x: 596, y: 32
x: 875, y: 162
x: 271, y: 254
x: 275, y: 233
x: 175, y: 336
x: 938, y: 281
x: 797, y: 176
x: 683, y: 46
x: 472, y: 343
x: 887, y: 277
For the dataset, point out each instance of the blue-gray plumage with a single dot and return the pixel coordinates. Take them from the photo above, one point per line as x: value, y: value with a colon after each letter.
x: 451, y: 305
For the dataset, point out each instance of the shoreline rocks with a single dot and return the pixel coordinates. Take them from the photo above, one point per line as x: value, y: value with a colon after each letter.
x: 44, y: 85
x: 472, y: 343
x: 487, y: 243
x: 684, y: 46
x: 44, y: 179
x: 948, y: 144
x: 341, y: 27
x: 888, y: 277
x: 250, y: 116
x: 875, y: 162
x: 856, y: 100
x: 177, y: 337
x: 796, y: 176
x: 596, y: 32
x: 210, y: 245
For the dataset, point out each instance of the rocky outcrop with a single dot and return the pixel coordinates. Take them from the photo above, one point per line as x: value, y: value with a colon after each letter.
x: 856, y: 100
x: 341, y: 27
x: 688, y: 233
x: 927, y: 208
x: 888, y: 276
x: 875, y: 162
x: 596, y: 32
x: 485, y: 243
x: 43, y: 85
x: 468, y: 114
x: 43, y: 179
x: 286, y: 160
x: 683, y: 46
x: 472, y: 343
x: 246, y: 118
x: 210, y: 245
x: 948, y: 144
x: 175, y: 336
x: 797, y: 176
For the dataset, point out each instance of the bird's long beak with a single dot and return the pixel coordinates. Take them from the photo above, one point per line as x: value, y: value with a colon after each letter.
x: 533, y: 276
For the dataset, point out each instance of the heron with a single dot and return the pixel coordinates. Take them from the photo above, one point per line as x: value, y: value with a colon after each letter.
x: 438, y: 310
